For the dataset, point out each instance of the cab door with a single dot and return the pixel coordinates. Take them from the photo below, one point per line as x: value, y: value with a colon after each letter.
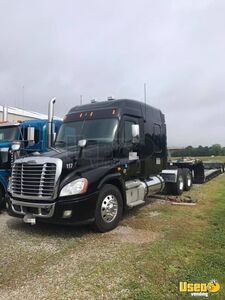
x: 129, y: 153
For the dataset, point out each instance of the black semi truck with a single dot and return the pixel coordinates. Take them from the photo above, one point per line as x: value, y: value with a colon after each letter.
x: 108, y: 157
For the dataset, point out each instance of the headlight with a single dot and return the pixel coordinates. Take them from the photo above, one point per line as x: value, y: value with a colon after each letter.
x: 78, y: 186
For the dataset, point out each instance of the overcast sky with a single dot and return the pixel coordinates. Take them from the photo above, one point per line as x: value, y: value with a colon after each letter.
x: 99, y: 48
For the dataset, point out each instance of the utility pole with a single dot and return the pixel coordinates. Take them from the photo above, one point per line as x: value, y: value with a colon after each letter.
x: 23, y: 96
x: 81, y: 99
x: 145, y: 98
x: 145, y: 93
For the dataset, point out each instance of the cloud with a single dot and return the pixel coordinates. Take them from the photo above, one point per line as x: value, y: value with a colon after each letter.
x: 100, y: 48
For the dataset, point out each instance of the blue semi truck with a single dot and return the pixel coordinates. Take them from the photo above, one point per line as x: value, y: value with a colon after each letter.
x: 21, y: 138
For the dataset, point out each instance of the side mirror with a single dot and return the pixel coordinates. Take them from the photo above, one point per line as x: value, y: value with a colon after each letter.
x: 135, y: 133
x: 16, y: 146
x: 31, y: 134
x: 82, y: 143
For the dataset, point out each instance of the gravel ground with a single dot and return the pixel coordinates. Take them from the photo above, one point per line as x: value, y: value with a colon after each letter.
x: 61, y: 262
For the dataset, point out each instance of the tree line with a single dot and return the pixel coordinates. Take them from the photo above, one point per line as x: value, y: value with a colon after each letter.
x: 215, y: 149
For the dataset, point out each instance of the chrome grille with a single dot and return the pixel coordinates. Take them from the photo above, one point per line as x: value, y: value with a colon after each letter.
x: 33, y: 180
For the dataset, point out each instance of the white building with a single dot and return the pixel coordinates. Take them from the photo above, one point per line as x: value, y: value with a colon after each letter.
x: 17, y: 114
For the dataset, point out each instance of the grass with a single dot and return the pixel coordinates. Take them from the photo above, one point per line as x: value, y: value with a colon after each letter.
x: 193, y: 249
x: 53, y: 262
x: 215, y: 158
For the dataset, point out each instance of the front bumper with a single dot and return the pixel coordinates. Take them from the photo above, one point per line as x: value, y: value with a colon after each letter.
x: 82, y: 207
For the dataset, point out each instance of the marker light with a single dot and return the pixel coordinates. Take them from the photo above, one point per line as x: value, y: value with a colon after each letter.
x: 78, y: 186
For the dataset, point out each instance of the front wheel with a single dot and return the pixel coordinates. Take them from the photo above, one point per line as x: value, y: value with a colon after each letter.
x: 109, y: 208
x: 2, y: 199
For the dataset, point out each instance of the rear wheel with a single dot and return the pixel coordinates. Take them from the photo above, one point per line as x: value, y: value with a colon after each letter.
x: 187, y: 179
x: 109, y: 208
x: 178, y: 187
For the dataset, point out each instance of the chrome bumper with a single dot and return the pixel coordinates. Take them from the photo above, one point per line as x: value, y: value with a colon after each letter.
x: 42, y: 210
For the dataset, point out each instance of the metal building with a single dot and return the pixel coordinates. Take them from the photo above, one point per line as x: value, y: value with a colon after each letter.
x: 17, y: 114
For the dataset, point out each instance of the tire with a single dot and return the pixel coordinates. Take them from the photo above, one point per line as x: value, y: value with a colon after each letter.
x: 109, y: 195
x: 177, y: 188
x: 2, y: 200
x: 168, y: 189
x: 187, y: 179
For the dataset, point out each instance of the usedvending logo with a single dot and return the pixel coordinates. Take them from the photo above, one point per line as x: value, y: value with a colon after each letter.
x: 199, y: 289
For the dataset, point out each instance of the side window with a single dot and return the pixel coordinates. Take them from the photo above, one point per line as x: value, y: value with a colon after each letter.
x: 128, y: 131
x: 157, y: 138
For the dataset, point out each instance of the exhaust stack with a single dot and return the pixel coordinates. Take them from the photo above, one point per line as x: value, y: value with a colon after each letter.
x: 50, y: 121
x: 5, y: 114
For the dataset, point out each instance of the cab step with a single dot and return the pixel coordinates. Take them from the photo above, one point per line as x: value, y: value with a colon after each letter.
x: 135, y: 203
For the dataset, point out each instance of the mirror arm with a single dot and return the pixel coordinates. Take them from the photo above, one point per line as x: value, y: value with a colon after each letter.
x: 82, y: 144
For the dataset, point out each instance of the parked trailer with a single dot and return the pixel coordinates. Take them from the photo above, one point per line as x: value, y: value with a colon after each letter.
x: 108, y: 157
x: 202, y: 171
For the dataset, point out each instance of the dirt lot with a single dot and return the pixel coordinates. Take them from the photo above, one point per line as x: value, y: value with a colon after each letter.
x: 55, y: 262
x: 144, y: 258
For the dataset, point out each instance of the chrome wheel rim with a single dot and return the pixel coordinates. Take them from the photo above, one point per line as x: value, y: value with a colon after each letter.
x: 181, y: 183
x: 109, y: 208
x: 189, y: 180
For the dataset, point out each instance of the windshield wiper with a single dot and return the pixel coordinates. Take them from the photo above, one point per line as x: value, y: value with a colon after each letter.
x: 54, y: 149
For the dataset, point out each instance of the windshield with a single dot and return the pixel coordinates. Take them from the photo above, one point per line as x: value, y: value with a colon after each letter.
x: 8, y: 133
x: 95, y: 130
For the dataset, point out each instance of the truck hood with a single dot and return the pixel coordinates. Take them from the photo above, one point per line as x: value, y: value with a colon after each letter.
x: 66, y: 155
x: 90, y: 154
x: 5, y: 144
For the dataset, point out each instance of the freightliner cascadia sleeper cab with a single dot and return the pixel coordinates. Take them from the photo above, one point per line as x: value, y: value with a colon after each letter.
x: 108, y: 156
